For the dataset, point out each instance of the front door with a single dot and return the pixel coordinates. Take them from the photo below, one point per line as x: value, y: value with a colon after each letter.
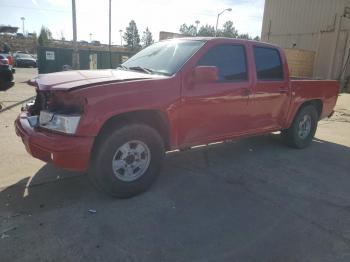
x: 212, y: 111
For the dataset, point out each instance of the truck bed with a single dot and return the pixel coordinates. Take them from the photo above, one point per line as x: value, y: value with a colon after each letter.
x: 313, y: 89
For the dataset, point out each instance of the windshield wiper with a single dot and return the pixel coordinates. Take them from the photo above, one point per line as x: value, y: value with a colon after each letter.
x: 140, y: 68
x: 123, y: 67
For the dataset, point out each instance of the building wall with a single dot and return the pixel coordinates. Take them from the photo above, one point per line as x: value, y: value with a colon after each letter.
x: 311, y: 25
x: 299, y: 21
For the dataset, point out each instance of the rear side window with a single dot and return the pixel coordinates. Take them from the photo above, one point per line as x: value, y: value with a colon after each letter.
x: 230, y: 61
x: 268, y: 63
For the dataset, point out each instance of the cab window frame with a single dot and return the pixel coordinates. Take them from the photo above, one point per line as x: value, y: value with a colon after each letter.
x: 280, y: 60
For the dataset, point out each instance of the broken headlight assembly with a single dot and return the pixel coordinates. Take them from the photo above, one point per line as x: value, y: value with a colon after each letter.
x: 64, y: 123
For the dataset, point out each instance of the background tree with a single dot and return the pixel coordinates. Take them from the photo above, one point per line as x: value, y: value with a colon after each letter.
x: 35, y: 35
x: 147, y: 38
x: 244, y: 36
x: 189, y: 30
x: 131, y: 35
x: 45, y: 36
x: 228, y: 30
x: 257, y: 38
x: 206, y: 30
x: 5, y: 48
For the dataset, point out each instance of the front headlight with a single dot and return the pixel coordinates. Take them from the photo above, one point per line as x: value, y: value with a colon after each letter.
x: 59, y: 122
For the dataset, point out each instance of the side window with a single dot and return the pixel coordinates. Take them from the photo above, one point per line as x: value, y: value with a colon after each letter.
x: 230, y: 61
x: 268, y: 63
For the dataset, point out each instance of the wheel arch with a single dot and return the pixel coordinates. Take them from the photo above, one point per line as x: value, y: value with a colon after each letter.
x: 153, y: 118
x: 317, y: 103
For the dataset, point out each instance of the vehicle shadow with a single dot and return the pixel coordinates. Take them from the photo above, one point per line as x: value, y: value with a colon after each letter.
x: 227, y: 162
x: 245, y: 199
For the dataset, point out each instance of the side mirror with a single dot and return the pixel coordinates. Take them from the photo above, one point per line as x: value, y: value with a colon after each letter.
x: 206, y: 74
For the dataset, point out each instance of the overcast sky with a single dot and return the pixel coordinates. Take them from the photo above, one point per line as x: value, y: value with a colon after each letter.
x: 158, y: 15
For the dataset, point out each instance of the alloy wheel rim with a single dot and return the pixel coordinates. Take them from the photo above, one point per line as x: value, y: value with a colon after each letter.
x: 131, y: 160
x: 304, y: 126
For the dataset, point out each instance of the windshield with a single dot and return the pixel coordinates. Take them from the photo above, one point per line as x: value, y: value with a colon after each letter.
x: 164, y: 57
x: 24, y: 56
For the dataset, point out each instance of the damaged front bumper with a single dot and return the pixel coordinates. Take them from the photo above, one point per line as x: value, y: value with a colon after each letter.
x: 64, y: 151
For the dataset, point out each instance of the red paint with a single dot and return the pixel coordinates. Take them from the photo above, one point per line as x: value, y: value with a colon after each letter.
x: 70, y: 152
x: 197, y: 109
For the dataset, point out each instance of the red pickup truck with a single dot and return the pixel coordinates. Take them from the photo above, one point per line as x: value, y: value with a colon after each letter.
x: 117, y: 124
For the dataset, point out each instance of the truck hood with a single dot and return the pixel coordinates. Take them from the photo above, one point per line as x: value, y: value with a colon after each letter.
x: 83, y: 78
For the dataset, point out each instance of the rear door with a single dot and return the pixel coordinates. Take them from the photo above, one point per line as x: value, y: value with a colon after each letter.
x: 269, y: 101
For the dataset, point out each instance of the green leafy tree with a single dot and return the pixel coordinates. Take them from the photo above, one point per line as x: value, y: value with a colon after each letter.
x: 228, y: 30
x: 45, y: 36
x: 189, y: 30
x: 147, y: 38
x: 206, y: 30
x: 131, y: 35
x: 257, y: 38
x: 244, y: 36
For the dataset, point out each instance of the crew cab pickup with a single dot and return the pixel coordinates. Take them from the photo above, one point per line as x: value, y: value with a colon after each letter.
x: 117, y: 124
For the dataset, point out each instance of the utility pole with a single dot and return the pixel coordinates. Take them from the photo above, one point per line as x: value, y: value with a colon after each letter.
x: 110, y: 32
x: 121, y: 38
x: 75, y: 58
x: 23, y: 18
x: 197, y: 23
x: 217, y: 20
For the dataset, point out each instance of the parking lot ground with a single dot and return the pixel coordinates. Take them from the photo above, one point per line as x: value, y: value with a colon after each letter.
x: 249, y: 200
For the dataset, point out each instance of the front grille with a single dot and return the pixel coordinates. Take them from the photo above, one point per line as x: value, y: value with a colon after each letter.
x: 45, y: 99
x: 42, y: 102
x: 50, y: 101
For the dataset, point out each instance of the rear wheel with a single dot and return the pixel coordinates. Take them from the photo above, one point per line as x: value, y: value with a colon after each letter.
x: 303, y: 129
x: 127, y: 161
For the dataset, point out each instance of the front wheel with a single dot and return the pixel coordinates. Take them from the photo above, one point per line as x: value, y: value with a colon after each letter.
x: 127, y: 160
x: 303, y: 129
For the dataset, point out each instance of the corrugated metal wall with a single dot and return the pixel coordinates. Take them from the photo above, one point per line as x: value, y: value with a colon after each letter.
x: 299, y: 21
x: 309, y: 25
x: 62, y: 57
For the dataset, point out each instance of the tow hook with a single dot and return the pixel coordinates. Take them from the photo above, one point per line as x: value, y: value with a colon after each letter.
x: 331, y: 114
x: 27, y: 106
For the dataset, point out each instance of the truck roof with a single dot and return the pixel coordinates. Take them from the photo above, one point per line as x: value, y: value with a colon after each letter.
x: 219, y: 39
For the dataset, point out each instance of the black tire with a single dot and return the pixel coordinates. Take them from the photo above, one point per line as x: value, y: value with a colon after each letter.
x: 6, y: 78
x: 292, y: 137
x: 101, y: 172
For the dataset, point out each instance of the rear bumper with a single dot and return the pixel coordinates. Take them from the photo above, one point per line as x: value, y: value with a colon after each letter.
x: 68, y: 152
x: 25, y: 63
